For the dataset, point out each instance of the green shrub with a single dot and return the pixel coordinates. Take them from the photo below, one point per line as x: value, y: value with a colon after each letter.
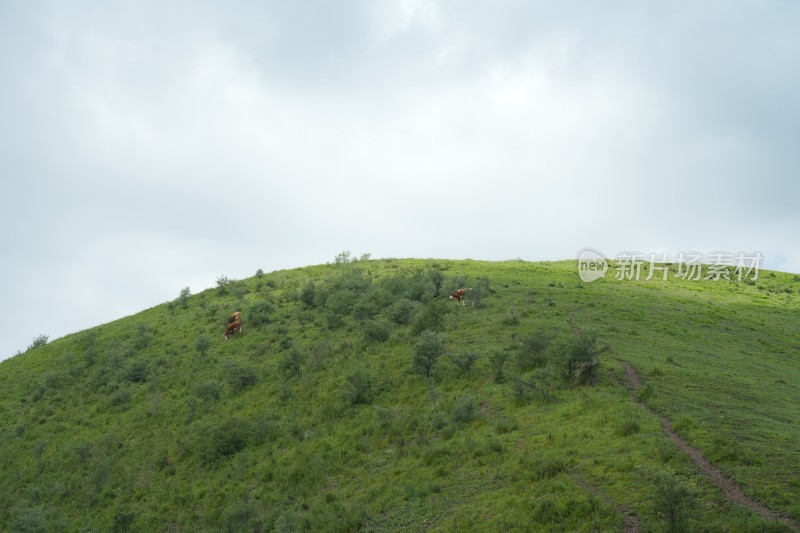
x: 480, y: 289
x: 435, y: 277
x: 120, y: 398
x: 203, y: 344
x: 464, y: 361
x: 497, y: 360
x: 136, y: 372
x: 208, y: 391
x: 90, y: 355
x: 142, y: 337
x: 260, y: 313
x: 427, y: 351
x: 239, y: 377
x: 672, y: 500
x: 418, y: 289
x: 38, y: 341
x: 359, y: 389
x: 378, y: 330
x: 431, y: 317
x: 464, y: 410
x: 333, y: 319
x: 420, y: 286
x: 338, y: 305
x: 308, y: 294
x: 320, y: 352
x: 222, y: 440
x: 54, y: 380
x: 581, y: 360
x: 122, y: 521
x: 224, y: 285
x: 351, y: 278
x: 88, y: 338
x: 510, y: 319
x: 401, y: 311
x: 533, y: 351
x: 523, y: 390
x: 372, y: 303
x: 32, y: 520
x: 239, y: 289
x: 291, y: 363
x: 84, y: 452
x: 183, y: 298
x: 342, y: 258
x: 100, y: 475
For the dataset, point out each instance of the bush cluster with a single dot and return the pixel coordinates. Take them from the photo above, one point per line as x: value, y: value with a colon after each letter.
x: 352, y: 292
x: 360, y: 388
x: 427, y: 351
x: 40, y: 340
x: 260, y: 313
x: 533, y: 351
x: 672, y: 499
x: 582, y: 358
x: 464, y: 361
x: 239, y: 377
x: 223, y: 439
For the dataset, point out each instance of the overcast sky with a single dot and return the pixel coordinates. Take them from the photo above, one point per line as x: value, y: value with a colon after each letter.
x: 152, y: 145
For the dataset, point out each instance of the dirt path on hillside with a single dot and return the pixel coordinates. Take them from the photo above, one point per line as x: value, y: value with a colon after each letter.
x: 728, y: 487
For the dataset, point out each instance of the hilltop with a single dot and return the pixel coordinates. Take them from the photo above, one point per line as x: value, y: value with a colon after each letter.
x: 358, y: 396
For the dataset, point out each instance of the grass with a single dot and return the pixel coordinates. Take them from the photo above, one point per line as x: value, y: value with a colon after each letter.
x: 314, y: 417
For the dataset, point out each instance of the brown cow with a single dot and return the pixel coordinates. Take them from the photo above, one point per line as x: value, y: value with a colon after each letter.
x: 234, y: 317
x: 232, y: 328
x: 459, y: 295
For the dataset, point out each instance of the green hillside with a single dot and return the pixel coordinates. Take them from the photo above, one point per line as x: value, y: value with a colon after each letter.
x: 360, y: 397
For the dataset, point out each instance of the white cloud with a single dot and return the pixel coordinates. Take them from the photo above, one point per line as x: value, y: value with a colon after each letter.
x: 398, y: 128
x: 389, y: 19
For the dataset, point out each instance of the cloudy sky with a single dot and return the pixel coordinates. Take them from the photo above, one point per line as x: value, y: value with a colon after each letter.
x: 152, y: 145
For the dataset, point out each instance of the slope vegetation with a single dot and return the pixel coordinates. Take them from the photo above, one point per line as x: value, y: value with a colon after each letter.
x: 359, y: 397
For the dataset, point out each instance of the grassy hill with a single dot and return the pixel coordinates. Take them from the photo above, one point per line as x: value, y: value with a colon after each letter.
x: 359, y: 397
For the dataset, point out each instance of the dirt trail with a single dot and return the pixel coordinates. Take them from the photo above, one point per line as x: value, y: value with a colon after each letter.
x: 728, y: 487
